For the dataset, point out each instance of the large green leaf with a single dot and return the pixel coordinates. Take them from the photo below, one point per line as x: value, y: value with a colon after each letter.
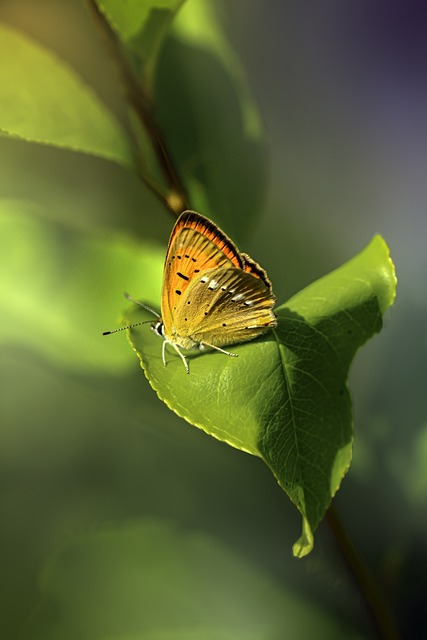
x: 285, y: 398
x: 142, y: 26
x: 152, y: 581
x: 43, y: 100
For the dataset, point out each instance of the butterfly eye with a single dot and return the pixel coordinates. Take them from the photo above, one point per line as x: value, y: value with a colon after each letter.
x: 159, y: 328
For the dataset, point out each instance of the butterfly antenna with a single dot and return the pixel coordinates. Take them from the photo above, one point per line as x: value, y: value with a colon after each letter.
x: 130, y: 326
x: 144, y: 306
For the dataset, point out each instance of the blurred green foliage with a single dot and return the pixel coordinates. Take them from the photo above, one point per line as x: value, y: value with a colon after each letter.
x: 152, y: 580
x: 54, y: 305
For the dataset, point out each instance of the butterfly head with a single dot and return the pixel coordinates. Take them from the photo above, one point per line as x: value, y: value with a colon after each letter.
x: 158, y: 327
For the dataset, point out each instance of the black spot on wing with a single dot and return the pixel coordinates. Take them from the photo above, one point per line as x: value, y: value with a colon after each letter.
x: 181, y: 275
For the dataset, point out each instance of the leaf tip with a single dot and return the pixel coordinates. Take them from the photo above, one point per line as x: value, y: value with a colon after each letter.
x: 305, y: 543
x: 389, y: 272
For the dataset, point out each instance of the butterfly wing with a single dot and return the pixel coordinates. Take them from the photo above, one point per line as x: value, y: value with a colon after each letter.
x: 253, y: 267
x: 196, y: 244
x: 224, y: 306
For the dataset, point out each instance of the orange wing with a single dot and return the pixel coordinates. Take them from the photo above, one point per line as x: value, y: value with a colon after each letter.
x: 196, y: 244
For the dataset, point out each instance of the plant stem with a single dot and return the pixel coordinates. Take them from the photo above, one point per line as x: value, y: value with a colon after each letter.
x: 373, y: 595
x: 174, y: 197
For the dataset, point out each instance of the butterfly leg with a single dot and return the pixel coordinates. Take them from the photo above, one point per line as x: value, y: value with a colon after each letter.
x: 212, y: 346
x: 181, y: 355
x: 164, y: 352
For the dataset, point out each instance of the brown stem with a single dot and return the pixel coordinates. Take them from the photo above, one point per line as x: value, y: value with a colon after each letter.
x: 175, y: 198
x: 373, y: 595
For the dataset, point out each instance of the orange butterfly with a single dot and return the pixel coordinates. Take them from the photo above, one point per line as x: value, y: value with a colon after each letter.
x: 212, y: 295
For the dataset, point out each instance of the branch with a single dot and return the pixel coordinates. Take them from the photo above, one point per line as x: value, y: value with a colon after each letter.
x: 373, y: 595
x: 175, y: 198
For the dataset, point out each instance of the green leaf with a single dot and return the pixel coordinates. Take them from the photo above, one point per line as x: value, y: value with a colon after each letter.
x: 152, y: 581
x: 210, y: 120
x: 142, y: 27
x: 285, y: 398
x: 43, y: 100
x: 60, y: 288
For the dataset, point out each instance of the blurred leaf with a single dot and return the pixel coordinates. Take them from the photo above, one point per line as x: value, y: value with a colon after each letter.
x: 142, y: 26
x: 410, y: 468
x: 151, y: 581
x: 210, y: 121
x: 285, y: 398
x: 59, y: 289
x: 43, y: 100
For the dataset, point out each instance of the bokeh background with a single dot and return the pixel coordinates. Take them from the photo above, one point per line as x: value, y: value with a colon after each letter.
x: 85, y: 445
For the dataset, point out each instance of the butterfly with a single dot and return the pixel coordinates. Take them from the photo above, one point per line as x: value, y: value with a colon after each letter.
x: 212, y: 295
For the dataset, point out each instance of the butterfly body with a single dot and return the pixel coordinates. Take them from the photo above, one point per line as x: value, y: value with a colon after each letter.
x: 212, y: 295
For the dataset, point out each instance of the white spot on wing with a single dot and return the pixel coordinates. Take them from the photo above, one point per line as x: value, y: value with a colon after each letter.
x: 238, y: 297
x: 204, y: 279
x: 213, y: 284
x: 249, y: 303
